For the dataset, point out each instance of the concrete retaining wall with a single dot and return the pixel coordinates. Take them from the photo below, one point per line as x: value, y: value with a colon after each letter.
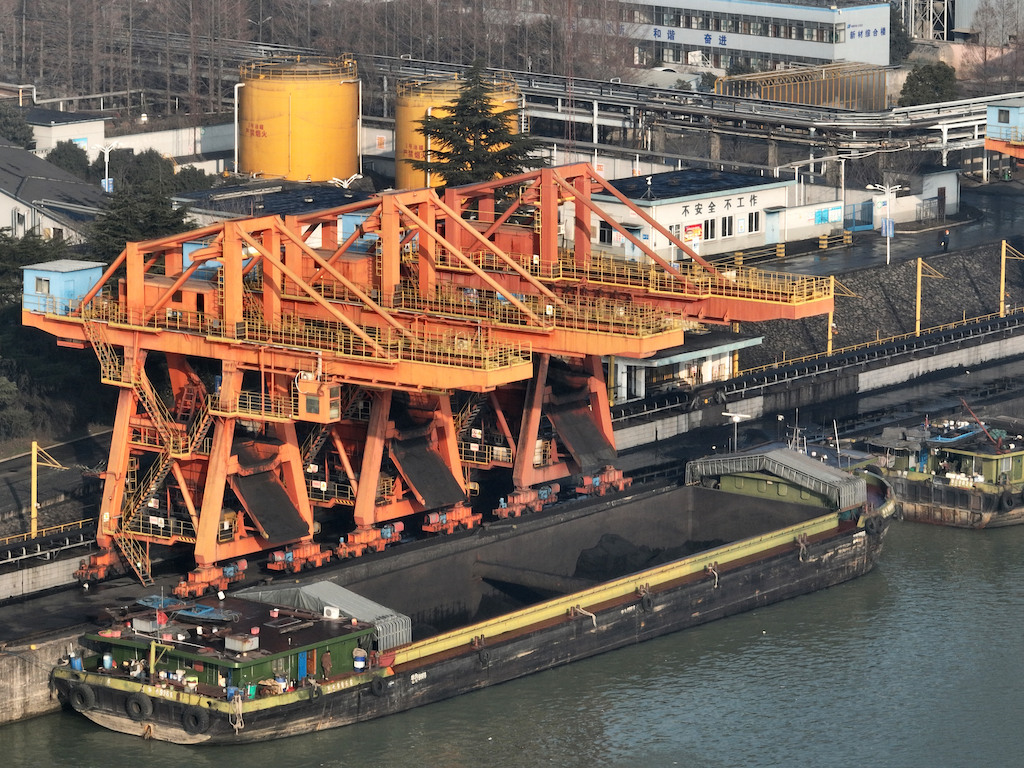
x: 25, y: 674
x: 38, y: 578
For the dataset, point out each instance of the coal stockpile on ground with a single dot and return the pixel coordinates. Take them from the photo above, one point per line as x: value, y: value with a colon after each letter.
x: 615, y: 556
x: 885, y: 300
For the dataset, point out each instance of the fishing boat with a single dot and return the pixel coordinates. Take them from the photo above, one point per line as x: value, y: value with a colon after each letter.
x: 424, y: 623
x: 959, y: 473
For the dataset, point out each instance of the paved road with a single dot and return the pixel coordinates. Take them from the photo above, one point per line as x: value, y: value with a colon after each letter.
x: 1000, y: 203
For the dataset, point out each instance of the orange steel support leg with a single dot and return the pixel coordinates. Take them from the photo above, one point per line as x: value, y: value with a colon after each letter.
x: 373, y: 454
x: 108, y: 561
x: 208, y: 525
x: 522, y: 466
x: 448, y: 441
x: 599, y: 397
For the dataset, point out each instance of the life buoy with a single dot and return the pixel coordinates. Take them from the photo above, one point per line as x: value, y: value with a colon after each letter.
x: 377, y: 686
x: 81, y: 697
x: 873, y: 525
x: 1006, y: 501
x: 195, y: 721
x: 647, y: 602
x: 138, y: 706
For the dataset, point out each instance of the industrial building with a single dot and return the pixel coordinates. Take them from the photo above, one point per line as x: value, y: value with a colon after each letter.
x: 760, y: 35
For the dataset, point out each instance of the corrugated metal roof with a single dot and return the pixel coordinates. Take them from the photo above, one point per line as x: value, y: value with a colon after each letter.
x: 393, y: 628
x: 843, y: 489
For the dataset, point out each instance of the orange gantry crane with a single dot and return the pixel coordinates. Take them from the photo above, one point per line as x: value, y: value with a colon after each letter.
x: 364, y: 360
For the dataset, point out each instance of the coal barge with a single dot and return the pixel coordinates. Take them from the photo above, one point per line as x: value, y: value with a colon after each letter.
x: 745, y: 531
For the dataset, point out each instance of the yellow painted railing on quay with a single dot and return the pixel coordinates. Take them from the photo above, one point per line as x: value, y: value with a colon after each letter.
x: 55, y: 530
x: 617, y: 589
x: 880, y: 341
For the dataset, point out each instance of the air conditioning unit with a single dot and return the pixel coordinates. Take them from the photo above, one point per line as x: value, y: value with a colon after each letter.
x: 330, y: 612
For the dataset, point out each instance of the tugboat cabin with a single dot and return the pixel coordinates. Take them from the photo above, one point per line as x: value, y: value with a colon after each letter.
x: 241, y: 647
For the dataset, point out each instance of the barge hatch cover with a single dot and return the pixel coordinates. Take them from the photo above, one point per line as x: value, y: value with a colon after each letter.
x: 590, y: 449
x: 427, y: 473
x: 270, y: 507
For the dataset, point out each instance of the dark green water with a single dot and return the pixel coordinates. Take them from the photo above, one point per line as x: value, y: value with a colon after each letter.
x: 917, y: 664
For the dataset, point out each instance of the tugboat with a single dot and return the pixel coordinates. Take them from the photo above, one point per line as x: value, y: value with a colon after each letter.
x: 500, y: 602
x: 959, y: 473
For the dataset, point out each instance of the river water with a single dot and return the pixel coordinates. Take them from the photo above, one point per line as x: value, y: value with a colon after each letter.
x: 916, y: 664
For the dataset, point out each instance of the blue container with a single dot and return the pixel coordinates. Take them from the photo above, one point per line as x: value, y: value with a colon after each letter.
x: 76, y: 663
x: 232, y: 692
x: 108, y: 661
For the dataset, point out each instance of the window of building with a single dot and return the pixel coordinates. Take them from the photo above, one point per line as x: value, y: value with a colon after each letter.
x: 676, y: 230
x: 727, y: 226
x: 1004, y: 116
x: 42, y: 285
x: 709, y: 229
x: 604, y: 234
x: 754, y: 221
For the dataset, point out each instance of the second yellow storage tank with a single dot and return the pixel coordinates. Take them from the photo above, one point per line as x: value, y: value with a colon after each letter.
x: 433, y: 96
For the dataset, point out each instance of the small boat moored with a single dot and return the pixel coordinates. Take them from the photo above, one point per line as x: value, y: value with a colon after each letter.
x: 964, y: 474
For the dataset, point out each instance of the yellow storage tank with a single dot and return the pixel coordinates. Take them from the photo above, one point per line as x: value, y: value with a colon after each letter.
x: 299, y: 118
x: 421, y: 97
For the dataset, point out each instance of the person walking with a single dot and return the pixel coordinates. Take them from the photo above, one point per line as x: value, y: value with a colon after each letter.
x: 944, y: 242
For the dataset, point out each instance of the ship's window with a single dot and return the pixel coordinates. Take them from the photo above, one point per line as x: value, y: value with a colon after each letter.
x: 739, y: 482
x: 42, y: 285
x: 762, y: 486
x: 312, y: 404
x: 804, y: 493
x: 783, y: 489
x: 1004, y: 116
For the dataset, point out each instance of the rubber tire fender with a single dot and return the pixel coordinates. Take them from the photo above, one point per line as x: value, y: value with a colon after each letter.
x: 138, y: 706
x: 873, y: 525
x: 1006, y: 501
x: 377, y: 686
x: 485, y: 657
x: 195, y: 720
x: 647, y: 602
x: 81, y: 697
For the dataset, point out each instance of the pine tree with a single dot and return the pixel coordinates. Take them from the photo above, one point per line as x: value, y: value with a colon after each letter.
x: 14, y: 128
x: 475, y: 142
x: 71, y: 157
x: 929, y: 84
x: 134, y: 215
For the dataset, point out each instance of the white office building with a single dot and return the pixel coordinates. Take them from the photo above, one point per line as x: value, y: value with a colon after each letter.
x: 763, y: 35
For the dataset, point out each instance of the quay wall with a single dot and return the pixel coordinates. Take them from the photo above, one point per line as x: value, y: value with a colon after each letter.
x: 37, y: 578
x: 25, y: 675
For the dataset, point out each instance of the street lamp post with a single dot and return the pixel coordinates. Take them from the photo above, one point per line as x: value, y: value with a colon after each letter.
x: 106, y: 149
x: 259, y: 24
x: 736, y: 419
x: 888, y: 223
